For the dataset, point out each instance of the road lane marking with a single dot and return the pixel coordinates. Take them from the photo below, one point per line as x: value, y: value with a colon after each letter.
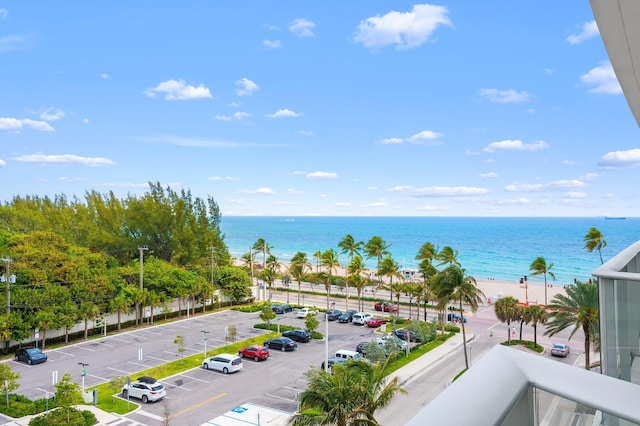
x: 150, y: 415
x: 198, y: 405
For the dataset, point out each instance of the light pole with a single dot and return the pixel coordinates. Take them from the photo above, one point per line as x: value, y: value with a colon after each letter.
x: 526, y: 291
x: 83, y: 373
x: 205, y: 334
x: 8, y: 279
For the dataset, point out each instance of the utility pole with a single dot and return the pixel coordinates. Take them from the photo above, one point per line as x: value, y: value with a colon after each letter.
x: 251, y: 268
x: 138, y: 307
x: 8, y: 279
x: 213, y: 263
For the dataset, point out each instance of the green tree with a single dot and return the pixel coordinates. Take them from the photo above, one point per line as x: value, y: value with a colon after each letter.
x: 375, y: 248
x: 594, y: 240
x: 46, y: 320
x: 262, y: 246
x: 354, y: 270
x: 535, y: 315
x: 389, y: 269
x: 448, y: 256
x: 311, y: 323
x: 88, y: 311
x: 540, y: 267
x: 348, y: 245
x: 507, y: 309
x: 234, y: 282
x: 67, y: 394
x: 298, y: 268
x: 318, y: 257
x: 330, y: 261
x: 267, y: 314
x: 181, y: 344
x: 453, y: 284
x: 120, y: 305
x: 577, y: 309
x: 8, y: 380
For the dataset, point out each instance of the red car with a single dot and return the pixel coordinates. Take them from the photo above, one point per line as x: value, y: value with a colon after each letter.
x: 386, y: 307
x: 256, y: 352
x: 376, y: 322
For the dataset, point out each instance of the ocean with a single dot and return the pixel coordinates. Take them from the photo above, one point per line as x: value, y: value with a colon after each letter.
x: 500, y: 248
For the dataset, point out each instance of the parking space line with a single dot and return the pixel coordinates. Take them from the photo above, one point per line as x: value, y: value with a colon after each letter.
x: 195, y: 378
x: 150, y: 332
x: 158, y: 359
x: 120, y: 371
x: 281, y: 397
x: 121, y: 340
x: 198, y: 405
x: 65, y: 353
x: 142, y: 365
x: 86, y: 349
x: 98, y: 377
x: 176, y: 387
x: 106, y: 344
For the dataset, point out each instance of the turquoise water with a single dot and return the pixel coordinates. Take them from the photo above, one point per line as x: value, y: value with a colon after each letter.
x: 498, y: 248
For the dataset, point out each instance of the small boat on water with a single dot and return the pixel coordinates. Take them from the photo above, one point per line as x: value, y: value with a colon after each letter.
x: 614, y: 218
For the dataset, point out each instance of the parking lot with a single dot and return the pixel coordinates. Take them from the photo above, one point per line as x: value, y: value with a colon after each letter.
x: 197, y: 395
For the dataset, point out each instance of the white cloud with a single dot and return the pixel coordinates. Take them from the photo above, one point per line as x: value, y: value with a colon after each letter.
x: 509, y: 96
x: 178, y: 90
x: 2, y: 163
x: 282, y: 113
x: 298, y: 173
x: 513, y: 201
x: 322, y: 175
x: 292, y: 191
x: 621, y: 159
x: 247, y: 87
x: 433, y: 208
x: 302, y: 27
x: 515, y: 145
x: 65, y: 159
x: 405, y: 30
x: 489, y: 175
x: 52, y: 114
x: 260, y: 191
x: 418, y: 138
x: 105, y: 76
x: 439, y: 191
x: 558, y: 185
x: 588, y: 31
x: 220, y: 178
x: 342, y: 204
x: 602, y: 80
x: 305, y: 132
x: 576, y: 194
x: 12, y: 43
x: 375, y: 204
x: 85, y: 121
x: 15, y: 125
x: 237, y: 116
x: 272, y: 44
x: 3, y: 13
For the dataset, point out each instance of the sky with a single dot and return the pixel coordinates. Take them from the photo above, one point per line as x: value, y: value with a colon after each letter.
x: 334, y: 108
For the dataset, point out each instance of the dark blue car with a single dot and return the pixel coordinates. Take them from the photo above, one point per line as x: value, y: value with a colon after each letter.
x: 30, y: 355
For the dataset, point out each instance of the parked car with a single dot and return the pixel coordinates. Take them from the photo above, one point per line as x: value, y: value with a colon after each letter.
x: 257, y: 353
x: 227, y: 363
x: 147, y: 379
x: 374, y: 322
x: 347, y: 316
x: 147, y: 392
x: 341, y: 356
x: 385, y: 307
x: 282, y: 343
x: 402, y: 333
x: 303, y: 312
x: 333, y: 314
x: 281, y: 309
x: 452, y: 316
x: 361, y: 318
x: 30, y: 355
x: 299, y: 335
x: 391, y: 340
x: 560, y: 349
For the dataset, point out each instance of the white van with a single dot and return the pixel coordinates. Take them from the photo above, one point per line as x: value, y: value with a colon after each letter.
x: 361, y: 318
x: 347, y: 355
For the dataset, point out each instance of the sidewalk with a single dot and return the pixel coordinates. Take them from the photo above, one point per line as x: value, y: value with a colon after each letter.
x: 103, y: 418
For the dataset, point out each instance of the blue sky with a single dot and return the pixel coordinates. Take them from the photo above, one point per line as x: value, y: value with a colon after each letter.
x: 343, y: 108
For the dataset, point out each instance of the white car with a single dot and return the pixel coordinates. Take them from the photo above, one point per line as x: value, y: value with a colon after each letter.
x: 560, y: 349
x: 392, y: 340
x: 303, y: 312
x: 144, y: 390
x: 361, y: 318
x: 226, y: 363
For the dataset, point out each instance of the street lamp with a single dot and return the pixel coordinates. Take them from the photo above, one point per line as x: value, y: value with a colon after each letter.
x: 83, y: 373
x: 526, y: 291
x: 205, y: 334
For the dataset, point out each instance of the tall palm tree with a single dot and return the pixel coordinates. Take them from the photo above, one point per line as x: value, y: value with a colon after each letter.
x: 427, y: 252
x: 318, y: 256
x: 594, y: 240
x: 390, y: 269
x: 535, y: 315
x: 448, y: 256
x: 331, y: 262
x: 376, y: 247
x: 428, y: 271
x: 578, y: 308
x: 452, y: 283
x: 507, y: 309
x: 351, y: 247
x: 298, y: 269
x: 262, y: 246
x: 354, y: 270
x: 540, y: 266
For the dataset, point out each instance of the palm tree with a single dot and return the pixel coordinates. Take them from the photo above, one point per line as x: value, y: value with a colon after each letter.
x: 354, y: 271
x: 318, y: 256
x: 535, y: 315
x: 270, y: 272
x: 349, y: 245
x: 507, y: 309
x: 578, y: 308
x: 448, y: 256
x: 453, y: 284
x: 264, y: 247
x: 298, y: 269
x: 539, y: 266
x: 330, y: 261
x: 427, y: 252
x: 390, y: 269
x: 120, y: 304
x: 594, y: 240
x: 349, y: 396
x: 376, y: 247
